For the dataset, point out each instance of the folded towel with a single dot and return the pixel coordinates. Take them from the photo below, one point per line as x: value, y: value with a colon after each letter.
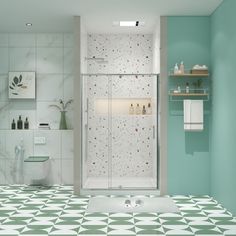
x: 193, y: 115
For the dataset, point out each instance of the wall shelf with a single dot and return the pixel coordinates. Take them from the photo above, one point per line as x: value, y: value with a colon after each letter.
x: 189, y: 75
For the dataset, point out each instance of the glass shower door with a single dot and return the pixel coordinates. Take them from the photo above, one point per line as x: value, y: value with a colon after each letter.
x: 133, y: 130
x: 95, y: 154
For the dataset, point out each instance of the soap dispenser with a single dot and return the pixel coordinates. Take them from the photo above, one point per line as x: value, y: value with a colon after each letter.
x: 20, y: 123
x: 181, y: 67
x: 13, y: 124
x: 176, y: 69
x: 26, y: 123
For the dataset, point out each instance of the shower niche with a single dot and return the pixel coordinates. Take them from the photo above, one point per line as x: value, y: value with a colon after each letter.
x: 120, y: 142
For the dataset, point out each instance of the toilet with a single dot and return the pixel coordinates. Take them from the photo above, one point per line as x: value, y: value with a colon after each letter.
x: 36, y: 169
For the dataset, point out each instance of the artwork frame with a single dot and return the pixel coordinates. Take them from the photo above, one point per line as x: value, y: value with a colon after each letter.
x: 21, y: 85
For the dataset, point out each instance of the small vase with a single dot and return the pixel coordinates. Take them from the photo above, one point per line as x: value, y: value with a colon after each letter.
x: 63, y: 124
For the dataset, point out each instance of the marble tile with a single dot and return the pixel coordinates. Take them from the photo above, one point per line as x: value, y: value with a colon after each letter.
x: 22, y: 59
x: 68, y: 87
x: 67, y: 171
x: 3, y: 87
x: 2, y: 143
x: 25, y: 108
x: 49, y: 87
x: 47, y: 114
x: 29, y: 114
x: 22, y: 40
x: 10, y: 173
x: 50, y: 60
x: 2, y: 170
x: 68, y: 60
x: 67, y: 144
x: 52, y: 147
x: 15, y: 137
x: 68, y: 40
x: 54, y: 172
x: 4, y: 60
x: 4, y: 115
x: 49, y: 40
x: 3, y: 40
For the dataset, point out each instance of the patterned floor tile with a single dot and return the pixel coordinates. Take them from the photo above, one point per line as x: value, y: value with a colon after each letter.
x: 37, y: 210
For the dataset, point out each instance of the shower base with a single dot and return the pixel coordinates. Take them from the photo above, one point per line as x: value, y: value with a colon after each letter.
x: 120, y: 183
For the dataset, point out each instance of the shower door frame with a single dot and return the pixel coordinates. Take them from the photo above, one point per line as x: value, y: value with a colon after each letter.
x: 138, y: 190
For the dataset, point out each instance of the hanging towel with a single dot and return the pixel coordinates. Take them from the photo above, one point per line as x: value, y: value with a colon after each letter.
x: 193, y: 115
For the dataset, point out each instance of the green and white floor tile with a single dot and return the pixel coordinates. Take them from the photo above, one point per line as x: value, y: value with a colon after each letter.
x: 41, y: 211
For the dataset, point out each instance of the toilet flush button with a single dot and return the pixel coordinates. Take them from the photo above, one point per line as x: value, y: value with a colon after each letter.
x: 39, y: 140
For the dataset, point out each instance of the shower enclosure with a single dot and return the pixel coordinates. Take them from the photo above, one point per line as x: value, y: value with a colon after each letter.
x: 120, y: 131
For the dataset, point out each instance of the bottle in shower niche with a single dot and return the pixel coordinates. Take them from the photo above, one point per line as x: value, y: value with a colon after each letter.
x: 131, y: 109
x: 19, y: 123
x: 26, y: 123
x: 144, y: 110
x: 13, y: 124
x: 138, y: 110
x: 149, y: 109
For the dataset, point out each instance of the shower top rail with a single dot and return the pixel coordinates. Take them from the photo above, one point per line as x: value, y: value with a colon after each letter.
x: 107, y: 74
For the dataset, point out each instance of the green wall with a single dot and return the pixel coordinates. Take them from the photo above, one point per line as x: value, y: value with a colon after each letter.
x: 223, y: 148
x: 188, y: 39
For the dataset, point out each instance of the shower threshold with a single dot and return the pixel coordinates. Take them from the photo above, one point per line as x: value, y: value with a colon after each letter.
x: 138, y: 185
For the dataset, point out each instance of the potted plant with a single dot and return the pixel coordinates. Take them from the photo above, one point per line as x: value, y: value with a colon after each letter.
x: 62, y: 108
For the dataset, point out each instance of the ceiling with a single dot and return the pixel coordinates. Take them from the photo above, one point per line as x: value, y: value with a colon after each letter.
x: 57, y: 15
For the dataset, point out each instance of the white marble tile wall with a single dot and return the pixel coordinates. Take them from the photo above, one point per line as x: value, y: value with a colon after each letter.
x: 51, y: 57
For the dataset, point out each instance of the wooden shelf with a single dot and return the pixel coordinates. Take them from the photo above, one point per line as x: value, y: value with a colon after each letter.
x: 188, y: 94
x: 189, y: 75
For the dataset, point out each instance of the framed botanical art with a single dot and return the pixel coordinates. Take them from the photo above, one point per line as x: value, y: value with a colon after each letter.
x: 21, y: 85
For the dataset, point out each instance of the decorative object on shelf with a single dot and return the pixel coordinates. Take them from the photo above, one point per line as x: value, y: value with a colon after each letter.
x: 138, y: 110
x: 187, y: 88
x: 26, y: 123
x: 199, y: 69
x: 21, y: 85
x: 149, y: 109
x: 44, y: 126
x: 62, y: 108
x: 13, y: 124
x: 131, y: 109
x: 197, y: 86
x: 19, y: 123
x: 144, y: 110
x: 176, y: 69
x: 181, y: 67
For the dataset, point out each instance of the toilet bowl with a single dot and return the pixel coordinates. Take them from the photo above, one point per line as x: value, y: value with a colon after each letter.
x: 36, y: 169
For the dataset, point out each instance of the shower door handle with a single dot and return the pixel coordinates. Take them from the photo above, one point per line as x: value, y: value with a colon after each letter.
x: 153, y: 132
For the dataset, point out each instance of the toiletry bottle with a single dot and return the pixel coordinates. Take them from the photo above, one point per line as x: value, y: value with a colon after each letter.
x: 176, y: 69
x: 138, y: 110
x: 181, y: 67
x: 179, y: 89
x: 131, y: 109
x: 13, y: 124
x: 19, y: 123
x: 149, y: 109
x: 187, y: 87
x: 26, y: 123
x: 144, y: 110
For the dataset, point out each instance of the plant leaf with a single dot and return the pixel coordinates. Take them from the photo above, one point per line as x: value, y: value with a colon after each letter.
x: 16, y: 80
x: 19, y: 85
x: 11, y: 87
x: 20, y: 78
x: 13, y: 84
x: 15, y: 93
